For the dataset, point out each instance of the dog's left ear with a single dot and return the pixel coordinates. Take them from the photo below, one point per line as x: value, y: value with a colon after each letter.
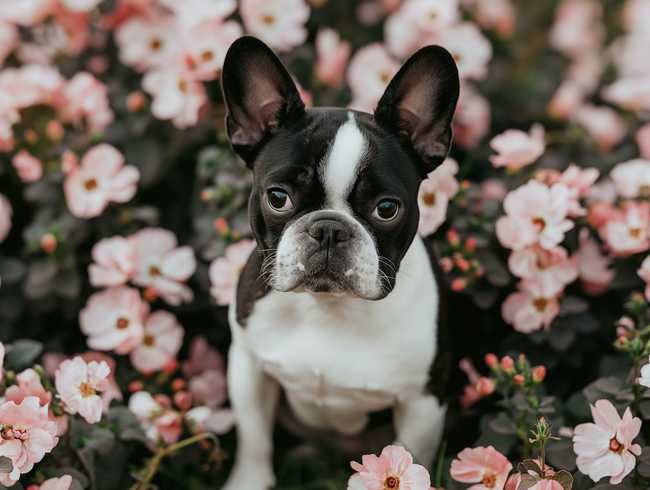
x: 259, y: 93
x: 419, y: 104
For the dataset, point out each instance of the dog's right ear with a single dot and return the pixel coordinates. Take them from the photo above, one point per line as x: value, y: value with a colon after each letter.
x: 259, y: 93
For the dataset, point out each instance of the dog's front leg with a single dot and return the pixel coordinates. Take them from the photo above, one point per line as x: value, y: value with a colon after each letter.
x: 253, y: 397
x: 419, y: 423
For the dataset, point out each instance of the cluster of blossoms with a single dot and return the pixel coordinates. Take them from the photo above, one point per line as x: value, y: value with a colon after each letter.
x: 118, y: 318
x: 34, y: 413
x: 195, y: 398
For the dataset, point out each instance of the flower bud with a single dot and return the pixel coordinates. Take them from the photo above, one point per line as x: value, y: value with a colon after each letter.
x: 507, y: 364
x: 539, y: 373
x: 135, y: 101
x: 183, y: 400
x: 458, y: 284
x: 491, y: 360
x: 485, y: 386
x: 48, y: 243
x: 179, y: 384
x: 135, y: 385
x: 519, y: 379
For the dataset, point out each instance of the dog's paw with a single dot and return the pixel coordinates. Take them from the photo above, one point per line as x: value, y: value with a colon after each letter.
x: 250, y: 478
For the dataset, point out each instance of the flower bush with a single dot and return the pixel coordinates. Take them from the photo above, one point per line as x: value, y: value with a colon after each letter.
x: 123, y: 229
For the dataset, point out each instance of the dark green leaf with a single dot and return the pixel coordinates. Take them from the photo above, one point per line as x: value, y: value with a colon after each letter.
x: 22, y: 354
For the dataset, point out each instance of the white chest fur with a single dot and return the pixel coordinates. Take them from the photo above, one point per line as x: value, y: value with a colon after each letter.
x: 339, y: 358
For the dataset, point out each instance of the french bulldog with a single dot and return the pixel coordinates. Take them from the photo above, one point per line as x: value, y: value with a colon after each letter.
x: 338, y: 307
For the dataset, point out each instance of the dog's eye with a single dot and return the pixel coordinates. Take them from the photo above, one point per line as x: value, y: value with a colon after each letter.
x: 386, y: 210
x: 279, y: 200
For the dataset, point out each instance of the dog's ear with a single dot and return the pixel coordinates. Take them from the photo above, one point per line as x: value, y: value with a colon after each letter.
x: 419, y: 104
x: 259, y: 95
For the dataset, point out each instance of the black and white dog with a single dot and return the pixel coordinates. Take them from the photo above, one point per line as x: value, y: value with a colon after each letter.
x: 339, y: 304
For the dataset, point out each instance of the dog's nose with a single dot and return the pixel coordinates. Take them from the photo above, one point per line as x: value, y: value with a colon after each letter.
x: 329, y: 232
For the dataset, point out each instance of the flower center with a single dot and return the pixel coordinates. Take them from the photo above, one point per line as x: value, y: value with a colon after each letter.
x: 540, y: 304
x: 268, y: 19
x: 149, y: 340
x: 122, y: 323
x: 207, y: 55
x: 384, y: 77
x: 155, y: 44
x: 391, y: 483
x: 489, y: 480
x: 90, y: 184
x: 539, y: 223
x: 429, y: 199
x: 154, y: 271
x: 86, y: 390
x: 635, y: 232
x: 9, y: 432
x: 615, y: 446
x: 182, y: 86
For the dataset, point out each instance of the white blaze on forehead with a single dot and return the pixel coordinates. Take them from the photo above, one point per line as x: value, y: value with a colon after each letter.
x: 343, y: 163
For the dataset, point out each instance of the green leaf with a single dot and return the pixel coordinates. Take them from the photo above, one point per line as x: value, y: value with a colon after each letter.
x: 502, y: 424
x: 22, y: 354
x: 564, y: 478
x: 528, y: 481
x: 529, y: 465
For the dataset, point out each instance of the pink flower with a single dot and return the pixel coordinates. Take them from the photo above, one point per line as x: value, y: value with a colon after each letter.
x: 632, y: 178
x: 162, y: 265
x: 416, y: 22
x: 209, y: 387
x: 530, y: 309
x: 332, y: 57
x: 176, y: 95
x: 86, y: 98
x: 593, y: 266
x: 566, y: 100
x: 552, y: 269
x: 644, y: 273
x: 225, y: 271
x: 644, y: 379
x: 159, y: 423
x: 101, y: 178
x: 163, y: 336
x: 28, y: 383
x: 627, y: 230
x: 603, y: 124
x: 471, y: 50
x: 27, y: 436
x: 26, y: 12
x: 206, y: 46
x: 113, y: 320
x: 498, y: 15
x: 112, y: 391
x: 577, y: 28
x: 393, y: 469
x: 279, y: 23
x: 190, y: 13
x: 605, y: 448
x: 516, y: 149
x: 29, y: 168
x: 147, y: 42
x: 643, y: 140
x: 8, y: 39
x: 5, y: 217
x: 545, y: 484
x: 79, y: 383
x: 202, y: 419
x: 62, y: 483
x: 631, y: 93
x: 535, y: 213
x: 434, y: 195
x: 114, y: 262
x: 578, y: 181
x: 472, y: 119
x: 486, y: 467
x: 202, y: 357
x: 370, y: 70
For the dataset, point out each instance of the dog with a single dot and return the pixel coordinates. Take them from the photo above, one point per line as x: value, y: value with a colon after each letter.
x: 338, y: 306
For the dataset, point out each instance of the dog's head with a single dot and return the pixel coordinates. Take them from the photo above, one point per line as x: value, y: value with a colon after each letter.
x: 334, y: 201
